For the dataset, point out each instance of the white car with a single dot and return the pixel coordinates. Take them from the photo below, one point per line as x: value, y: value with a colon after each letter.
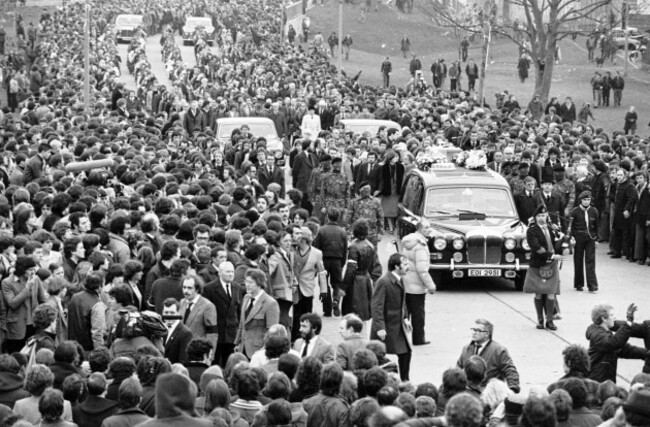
x: 634, y: 38
x: 126, y: 25
x: 359, y: 126
x: 258, y: 126
x: 194, y: 23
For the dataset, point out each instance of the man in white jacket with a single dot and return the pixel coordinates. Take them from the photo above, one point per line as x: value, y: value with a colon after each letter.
x: 418, y: 281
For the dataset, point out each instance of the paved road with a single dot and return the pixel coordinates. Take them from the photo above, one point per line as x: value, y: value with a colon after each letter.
x: 450, y: 314
x: 154, y: 54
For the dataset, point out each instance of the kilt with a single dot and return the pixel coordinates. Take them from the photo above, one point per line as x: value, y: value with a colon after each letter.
x: 536, y: 284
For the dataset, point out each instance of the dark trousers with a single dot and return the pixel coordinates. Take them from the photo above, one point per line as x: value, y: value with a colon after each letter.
x: 415, y: 307
x: 642, y: 331
x: 584, y: 259
x: 305, y: 305
x: 14, y: 346
x: 285, y: 318
x: 472, y: 83
x: 222, y: 353
x: 306, y: 204
x: 621, y: 239
x: 386, y: 79
x: 404, y: 365
x: 641, y: 242
x: 334, y: 268
x: 604, y: 226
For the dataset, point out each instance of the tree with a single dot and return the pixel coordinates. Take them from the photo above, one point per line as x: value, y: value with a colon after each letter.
x: 546, y: 23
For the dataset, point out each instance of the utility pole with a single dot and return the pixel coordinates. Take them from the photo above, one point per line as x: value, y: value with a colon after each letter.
x: 283, y: 21
x: 87, y: 58
x: 626, y: 14
x: 340, y: 59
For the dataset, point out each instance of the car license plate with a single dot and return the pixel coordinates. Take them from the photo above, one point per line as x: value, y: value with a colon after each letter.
x: 487, y: 272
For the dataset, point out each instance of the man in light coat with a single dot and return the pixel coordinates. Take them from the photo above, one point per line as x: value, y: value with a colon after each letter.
x: 350, y: 329
x: 418, y: 281
x: 198, y: 313
x: 311, y: 275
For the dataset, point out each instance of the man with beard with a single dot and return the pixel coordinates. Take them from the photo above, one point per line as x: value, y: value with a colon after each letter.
x: 310, y: 342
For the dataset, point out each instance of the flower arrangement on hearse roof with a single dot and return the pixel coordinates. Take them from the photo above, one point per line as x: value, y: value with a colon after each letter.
x: 475, y: 160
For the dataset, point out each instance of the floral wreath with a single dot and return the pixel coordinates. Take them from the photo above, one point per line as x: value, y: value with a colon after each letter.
x: 475, y: 160
x: 425, y: 159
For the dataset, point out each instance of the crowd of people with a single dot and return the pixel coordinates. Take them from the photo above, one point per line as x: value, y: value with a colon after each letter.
x: 153, y: 275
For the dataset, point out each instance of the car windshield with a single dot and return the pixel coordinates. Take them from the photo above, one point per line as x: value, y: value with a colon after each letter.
x: 267, y: 130
x: 493, y: 202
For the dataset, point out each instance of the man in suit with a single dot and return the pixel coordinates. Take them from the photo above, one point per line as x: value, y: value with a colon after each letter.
x: 259, y: 311
x: 311, y: 275
x: 227, y: 299
x: 303, y: 166
x: 390, y: 322
x: 624, y: 201
x: 326, y: 115
x: 268, y: 172
x: 178, y: 335
x: 35, y: 166
x: 311, y: 343
x: 568, y: 110
x: 497, y: 162
x: 194, y: 119
x: 369, y: 171
x: 528, y: 201
x: 199, y: 314
x: 552, y: 201
x: 350, y: 329
x: 211, y: 273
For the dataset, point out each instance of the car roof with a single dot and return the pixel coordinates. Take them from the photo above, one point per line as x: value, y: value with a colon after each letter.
x: 126, y: 15
x: 244, y: 120
x: 452, y: 175
x: 373, y: 122
x: 198, y: 18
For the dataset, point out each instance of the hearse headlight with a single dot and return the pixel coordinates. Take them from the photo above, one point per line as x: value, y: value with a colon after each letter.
x: 510, y: 243
x: 440, y: 243
x: 458, y: 243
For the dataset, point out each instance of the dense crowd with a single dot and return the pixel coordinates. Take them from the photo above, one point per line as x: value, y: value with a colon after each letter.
x: 153, y: 275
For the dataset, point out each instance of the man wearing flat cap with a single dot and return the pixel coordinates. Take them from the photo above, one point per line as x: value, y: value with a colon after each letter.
x: 584, y: 223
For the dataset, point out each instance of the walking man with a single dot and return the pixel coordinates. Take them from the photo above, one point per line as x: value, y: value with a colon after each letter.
x: 472, y: 74
x: 386, y: 69
x: 390, y: 322
x: 347, y: 43
x: 332, y: 240
x: 418, y: 280
x: 584, y: 221
x: 618, y: 83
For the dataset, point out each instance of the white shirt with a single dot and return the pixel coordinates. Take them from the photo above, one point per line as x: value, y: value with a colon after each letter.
x: 311, y: 124
x: 227, y: 288
x: 171, y: 330
x: 310, y: 347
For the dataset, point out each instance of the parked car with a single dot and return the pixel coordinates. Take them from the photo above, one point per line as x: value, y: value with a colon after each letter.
x: 476, y: 229
x: 635, y: 39
x: 359, y: 126
x: 259, y: 127
x: 194, y: 24
x: 126, y: 25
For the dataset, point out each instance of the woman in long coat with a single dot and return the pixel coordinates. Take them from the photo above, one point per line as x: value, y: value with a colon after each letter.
x: 390, y: 187
x: 363, y: 269
x: 543, y: 277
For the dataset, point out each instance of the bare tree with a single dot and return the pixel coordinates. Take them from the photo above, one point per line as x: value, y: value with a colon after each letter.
x: 546, y: 23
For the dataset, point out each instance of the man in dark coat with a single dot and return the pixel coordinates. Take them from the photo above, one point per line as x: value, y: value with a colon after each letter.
x: 599, y: 196
x: 415, y: 65
x: 269, y: 172
x: 552, y: 201
x: 303, y: 165
x: 641, y: 219
x: 179, y: 335
x: 624, y: 201
x: 227, y: 298
x: 568, y: 111
x: 390, y: 322
x: 528, y: 201
x: 11, y: 383
x: 332, y: 240
x: 194, y: 119
x: 496, y: 356
x: 95, y: 409
x: 608, y: 341
x: 369, y: 171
